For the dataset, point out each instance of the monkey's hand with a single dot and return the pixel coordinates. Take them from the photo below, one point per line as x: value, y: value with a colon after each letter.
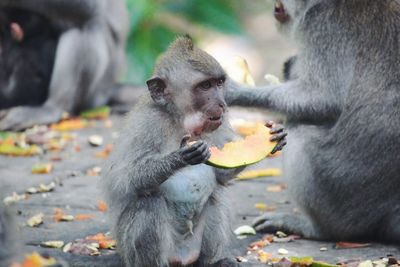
x: 279, y: 135
x: 195, y: 154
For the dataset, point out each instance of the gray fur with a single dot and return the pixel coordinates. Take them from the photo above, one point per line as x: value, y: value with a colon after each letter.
x: 8, y: 244
x: 89, y: 58
x: 343, y: 119
x: 152, y: 190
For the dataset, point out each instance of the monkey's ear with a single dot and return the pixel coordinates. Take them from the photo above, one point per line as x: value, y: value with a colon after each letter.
x: 157, y: 87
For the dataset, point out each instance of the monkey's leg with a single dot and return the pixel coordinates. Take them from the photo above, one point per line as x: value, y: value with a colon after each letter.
x: 289, y: 223
x: 144, y: 233
x: 391, y: 230
x: 217, y: 233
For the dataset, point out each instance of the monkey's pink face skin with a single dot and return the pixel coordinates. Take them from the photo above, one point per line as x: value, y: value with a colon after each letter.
x: 208, y: 105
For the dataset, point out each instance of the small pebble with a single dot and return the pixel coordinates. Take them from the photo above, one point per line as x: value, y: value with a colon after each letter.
x: 282, y: 251
x: 323, y: 249
x: 95, y: 140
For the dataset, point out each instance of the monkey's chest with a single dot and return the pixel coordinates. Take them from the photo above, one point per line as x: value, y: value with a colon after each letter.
x: 188, y: 191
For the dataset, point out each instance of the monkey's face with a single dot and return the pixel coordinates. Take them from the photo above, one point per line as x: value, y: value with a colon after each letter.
x: 287, y: 12
x: 207, y: 99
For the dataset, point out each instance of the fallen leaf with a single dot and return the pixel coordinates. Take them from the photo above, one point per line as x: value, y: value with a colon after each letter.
x: 106, y: 152
x: 42, y: 168
x: 258, y: 244
x: 99, y: 113
x: 101, y: 206
x: 349, y: 245
x: 263, y: 256
x: 36, y: 260
x: 252, y: 174
x: 82, y: 247
x: 42, y: 188
x: 58, y: 214
x: 52, y: 244
x: 366, y: 264
x: 69, y: 125
x: 245, y: 230
x: 290, y: 238
x: 282, y: 251
x: 276, y: 188
x: 13, y: 150
x: 14, y: 198
x: 304, y: 261
x: 67, y: 218
x: 83, y: 217
x: 264, y: 207
x: 95, y: 171
x: 105, y: 242
x: 322, y: 264
x: 35, y: 220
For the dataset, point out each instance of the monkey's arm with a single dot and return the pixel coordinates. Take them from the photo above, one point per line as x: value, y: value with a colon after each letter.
x: 294, y: 99
x: 74, y: 10
x: 142, y: 171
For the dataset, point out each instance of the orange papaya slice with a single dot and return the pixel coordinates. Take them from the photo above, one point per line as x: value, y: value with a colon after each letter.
x: 252, y: 149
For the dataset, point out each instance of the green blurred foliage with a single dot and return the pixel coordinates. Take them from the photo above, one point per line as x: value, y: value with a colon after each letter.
x: 152, y: 31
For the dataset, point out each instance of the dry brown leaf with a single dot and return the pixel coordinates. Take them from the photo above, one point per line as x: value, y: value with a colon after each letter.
x: 35, y: 260
x: 105, y: 242
x: 276, y: 188
x: 101, y: 206
x: 106, y: 152
x: 347, y: 245
x: 83, y: 217
x: 42, y: 168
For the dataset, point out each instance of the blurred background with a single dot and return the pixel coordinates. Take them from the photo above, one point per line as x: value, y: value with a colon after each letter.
x: 224, y: 28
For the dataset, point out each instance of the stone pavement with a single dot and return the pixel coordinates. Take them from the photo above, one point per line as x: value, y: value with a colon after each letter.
x: 78, y: 193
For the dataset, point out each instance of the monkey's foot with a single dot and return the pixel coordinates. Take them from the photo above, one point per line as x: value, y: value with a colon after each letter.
x: 286, y: 222
x: 19, y: 118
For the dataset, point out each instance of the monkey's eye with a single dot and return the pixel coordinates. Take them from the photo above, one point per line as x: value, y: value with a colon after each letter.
x: 220, y: 82
x: 205, y: 85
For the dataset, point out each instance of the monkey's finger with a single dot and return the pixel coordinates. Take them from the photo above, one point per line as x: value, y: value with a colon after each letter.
x: 199, y: 159
x: 259, y: 220
x: 279, y: 147
x: 269, y: 124
x: 191, y: 154
x: 194, y: 147
x: 185, y: 139
x: 278, y: 137
x: 267, y: 227
x: 277, y: 129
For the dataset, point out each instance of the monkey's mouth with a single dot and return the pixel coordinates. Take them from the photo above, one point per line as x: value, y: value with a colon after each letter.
x: 280, y: 12
x: 212, y: 123
x: 215, y: 119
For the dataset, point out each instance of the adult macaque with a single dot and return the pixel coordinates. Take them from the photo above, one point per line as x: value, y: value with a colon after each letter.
x: 342, y: 109
x: 169, y: 208
x: 88, y: 58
